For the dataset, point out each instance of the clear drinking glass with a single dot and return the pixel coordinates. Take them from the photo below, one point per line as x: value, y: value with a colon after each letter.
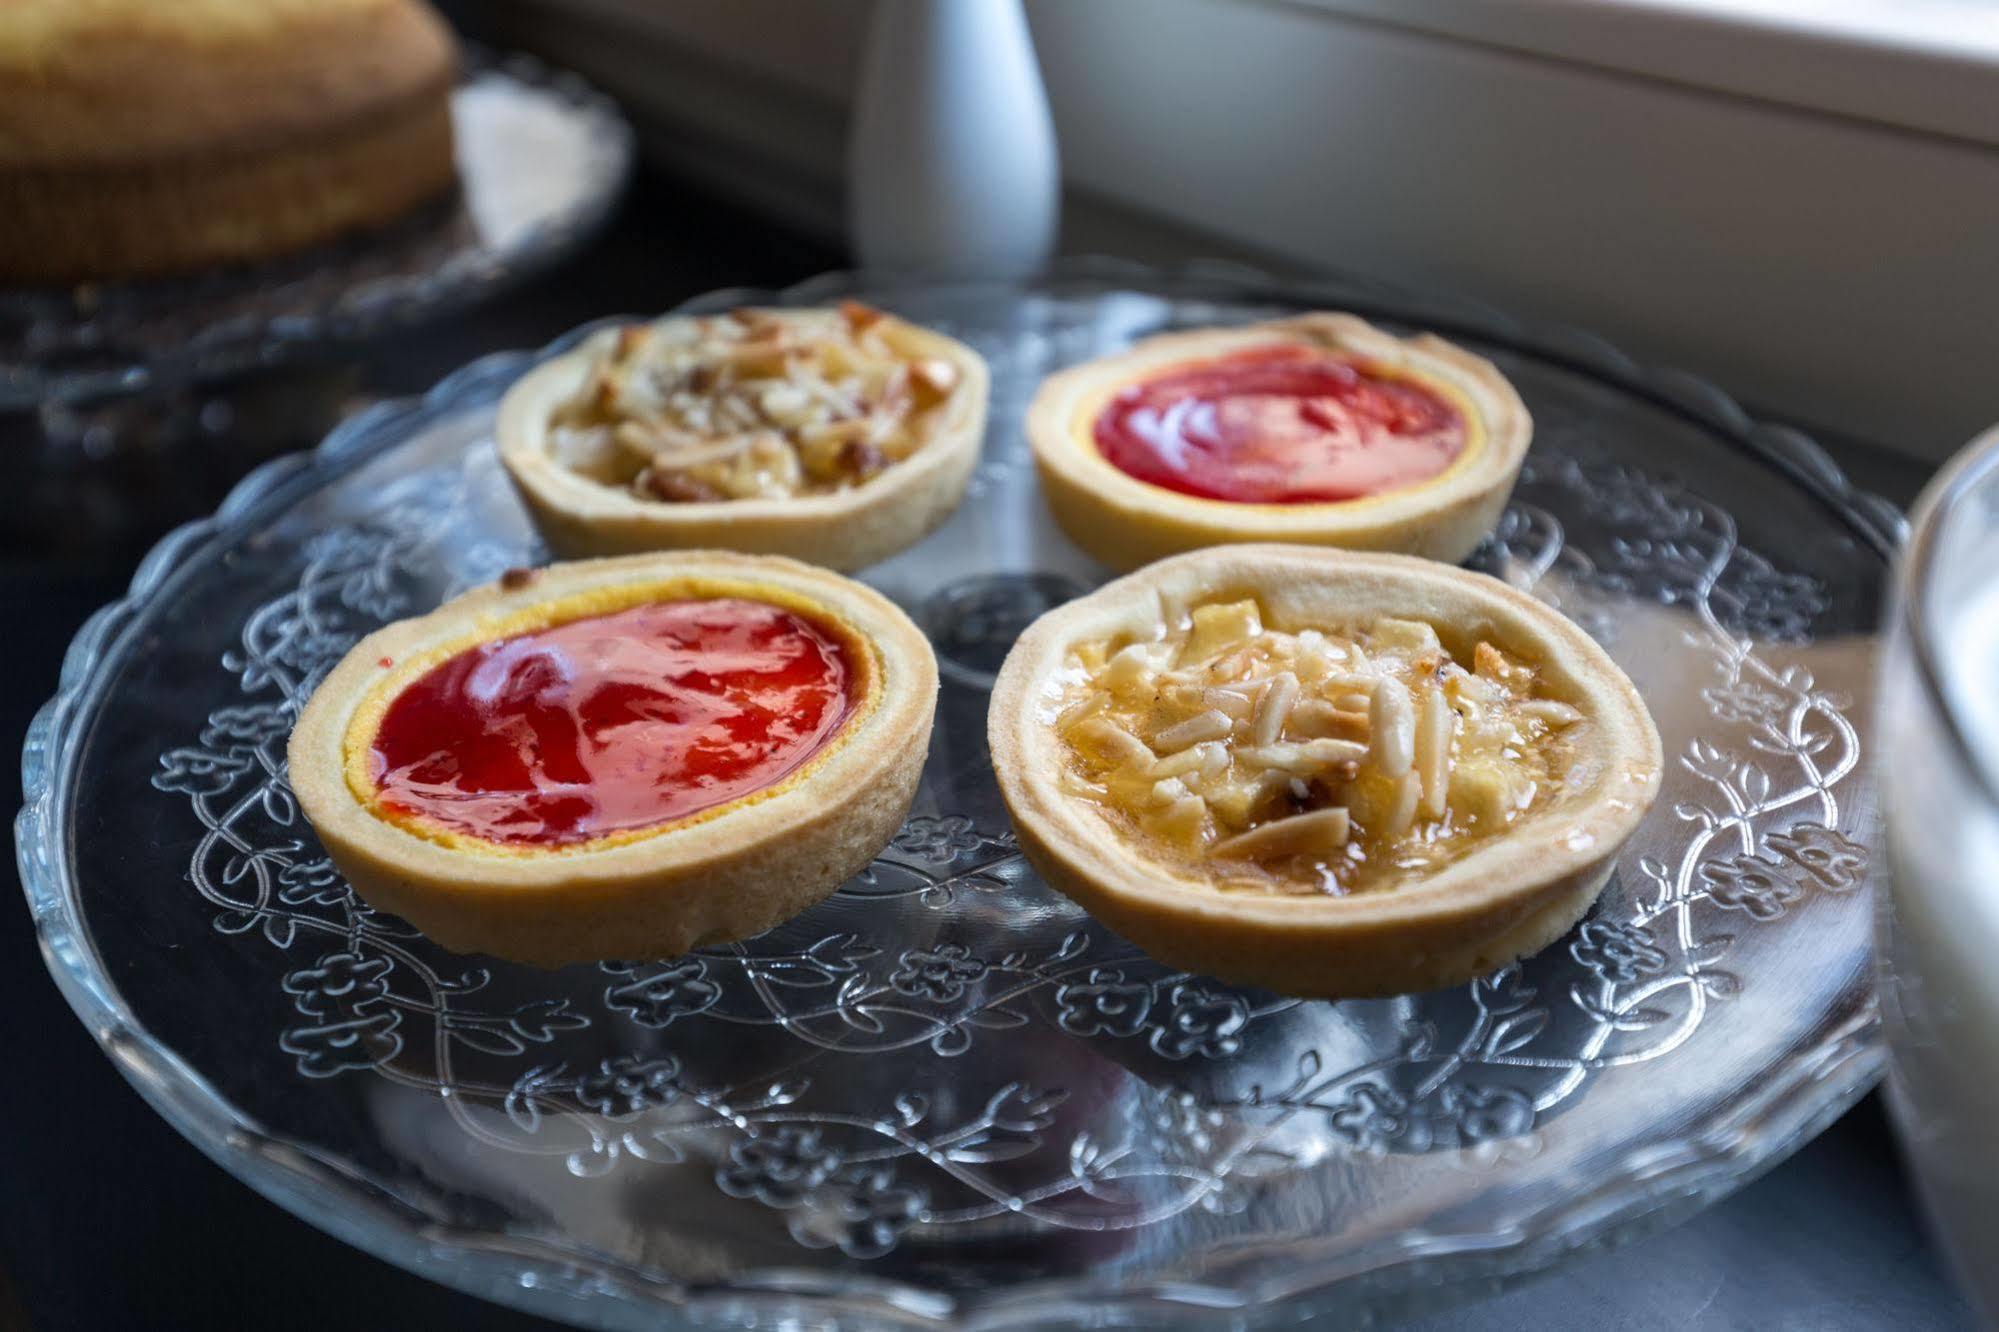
x: 1938, y: 914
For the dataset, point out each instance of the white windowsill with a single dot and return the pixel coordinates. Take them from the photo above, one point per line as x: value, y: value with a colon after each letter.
x: 1926, y: 65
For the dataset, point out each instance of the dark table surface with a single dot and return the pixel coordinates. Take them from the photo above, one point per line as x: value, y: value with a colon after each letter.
x: 108, y: 1219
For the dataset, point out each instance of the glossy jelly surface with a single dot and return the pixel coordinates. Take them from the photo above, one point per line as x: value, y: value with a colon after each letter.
x: 612, y: 722
x: 1286, y: 424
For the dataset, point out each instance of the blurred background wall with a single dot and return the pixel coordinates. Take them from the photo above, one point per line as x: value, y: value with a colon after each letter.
x: 1768, y: 193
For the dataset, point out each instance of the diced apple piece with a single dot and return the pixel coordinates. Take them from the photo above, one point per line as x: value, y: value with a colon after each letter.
x: 1217, y: 628
x: 1130, y: 669
x: 1184, y: 821
x: 1370, y: 798
x: 1489, y: 790
x: 1408, y: 635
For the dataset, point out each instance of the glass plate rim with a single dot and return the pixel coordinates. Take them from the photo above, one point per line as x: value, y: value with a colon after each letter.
x: 1796, y: 1100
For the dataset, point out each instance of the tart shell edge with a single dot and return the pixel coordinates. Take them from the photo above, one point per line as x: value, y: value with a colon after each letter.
x: 722, y: 875
x: 1501, y: 903
x: 1126, y: 523
x: 845, y: 530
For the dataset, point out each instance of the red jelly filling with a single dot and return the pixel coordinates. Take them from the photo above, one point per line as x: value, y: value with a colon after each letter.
x: 612, y: 722
x: 1287, y: 424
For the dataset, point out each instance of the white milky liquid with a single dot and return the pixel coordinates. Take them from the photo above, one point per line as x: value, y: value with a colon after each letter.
x: 1939, y: 928
x: 1970, y: 666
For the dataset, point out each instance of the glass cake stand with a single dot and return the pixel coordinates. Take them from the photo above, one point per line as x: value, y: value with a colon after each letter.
x: 945, y: 1097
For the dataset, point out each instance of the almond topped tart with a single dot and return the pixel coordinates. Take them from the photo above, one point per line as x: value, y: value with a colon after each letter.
x: 837, y: 436
x: 1320, y: 430
x: 620, y: 758
x: 1328, y: 773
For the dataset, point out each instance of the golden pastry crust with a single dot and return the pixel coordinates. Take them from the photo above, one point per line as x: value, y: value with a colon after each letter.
x: 724, y: 873
x: 1125, y: 522
x: 1502, y: 898
x: 846, y: 528
x: 144, y: 139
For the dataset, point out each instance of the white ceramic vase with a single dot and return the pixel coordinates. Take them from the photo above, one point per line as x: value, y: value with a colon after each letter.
x: 952, y: 167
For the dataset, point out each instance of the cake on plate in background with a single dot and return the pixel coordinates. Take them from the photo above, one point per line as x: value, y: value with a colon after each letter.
x: 140, y: 139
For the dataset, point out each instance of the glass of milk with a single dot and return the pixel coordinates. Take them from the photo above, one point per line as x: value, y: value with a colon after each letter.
x: 1938, y: 914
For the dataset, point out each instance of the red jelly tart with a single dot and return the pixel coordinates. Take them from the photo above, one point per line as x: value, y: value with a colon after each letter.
x: 619, y: 758
x: 612, y: 723
x: 1283, y: 424
x: 1319, y: 429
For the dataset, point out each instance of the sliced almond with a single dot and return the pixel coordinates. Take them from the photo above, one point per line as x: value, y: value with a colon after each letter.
x: 1201, y: 726
x: 1315, y: 718
x: 1321, y: 831
x: 1433, y: 752
x: 1392, y: 743
x: 1206, y: 698
x: 1111, y: 743
x: 1402, y: 814
x: 1273, y: 709
x: 1202, y: 758
x: 1552, y: 712
x: 1306, y: 758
